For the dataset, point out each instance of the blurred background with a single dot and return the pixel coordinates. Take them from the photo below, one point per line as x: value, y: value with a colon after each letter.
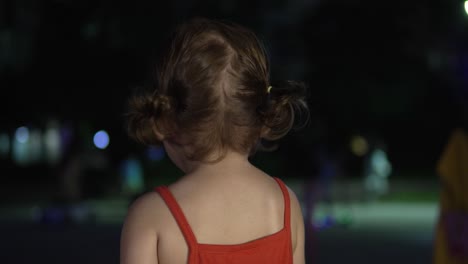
x: 388, y: 89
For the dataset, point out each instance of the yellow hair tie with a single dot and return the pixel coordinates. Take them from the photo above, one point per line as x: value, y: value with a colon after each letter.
x: 269, y: 89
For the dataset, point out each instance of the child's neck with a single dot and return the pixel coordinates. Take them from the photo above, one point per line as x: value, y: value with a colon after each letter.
x: 231, y: 163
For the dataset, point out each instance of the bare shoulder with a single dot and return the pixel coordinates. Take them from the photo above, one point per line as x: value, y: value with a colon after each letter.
x: 148, y: 208
x: 146, y: 201
x: 292, y: 196
x: 297, y: 224
x: 140, y: 230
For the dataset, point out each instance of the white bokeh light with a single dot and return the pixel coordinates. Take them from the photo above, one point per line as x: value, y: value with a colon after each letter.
x: 52, y: 143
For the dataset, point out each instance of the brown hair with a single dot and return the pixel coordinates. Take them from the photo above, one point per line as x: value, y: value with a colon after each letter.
x: 213, y: 93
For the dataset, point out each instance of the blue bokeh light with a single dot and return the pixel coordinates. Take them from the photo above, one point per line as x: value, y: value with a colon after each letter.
x: 22, y: 134
x: 155, y: 153
x: 101, y: 139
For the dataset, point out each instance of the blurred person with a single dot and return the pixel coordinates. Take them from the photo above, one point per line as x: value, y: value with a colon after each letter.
x: 377, y: 170
x: 451, y: 242
x: 213, y: 103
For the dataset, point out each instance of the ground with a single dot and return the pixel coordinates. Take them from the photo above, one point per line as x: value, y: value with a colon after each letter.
x: 392, y: 230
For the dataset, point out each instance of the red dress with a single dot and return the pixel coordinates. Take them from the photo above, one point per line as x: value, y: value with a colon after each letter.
x: 271, y: 249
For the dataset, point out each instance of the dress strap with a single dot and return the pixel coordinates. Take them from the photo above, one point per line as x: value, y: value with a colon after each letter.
x: 179, y: 216
x: 287, y: 204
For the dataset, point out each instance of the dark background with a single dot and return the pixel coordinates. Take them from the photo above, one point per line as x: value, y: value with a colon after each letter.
x: 394, y: 72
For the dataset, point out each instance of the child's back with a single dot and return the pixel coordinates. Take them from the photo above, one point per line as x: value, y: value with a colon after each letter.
x: 224, y: 210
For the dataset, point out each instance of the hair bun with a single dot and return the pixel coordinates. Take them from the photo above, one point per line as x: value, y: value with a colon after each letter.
x: 286, y: 100
x: 161, y: 103
x: 145, y: 117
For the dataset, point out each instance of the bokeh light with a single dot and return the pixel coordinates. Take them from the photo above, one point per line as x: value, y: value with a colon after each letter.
x: 466, y: 7
x: 21, y: 146
x: 359, y: 146
x: 22, y: 134
x: 380, y: 162
x: 132, y: 176
x: 52, y: 143
x: 155, y: 153
x: 101, y: 139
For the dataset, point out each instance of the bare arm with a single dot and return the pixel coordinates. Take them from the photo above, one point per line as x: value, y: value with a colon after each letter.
x: 297, y: 230
x: 138, y: 244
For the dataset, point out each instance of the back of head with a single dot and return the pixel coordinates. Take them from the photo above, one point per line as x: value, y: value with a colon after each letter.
x: 214, y: 94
